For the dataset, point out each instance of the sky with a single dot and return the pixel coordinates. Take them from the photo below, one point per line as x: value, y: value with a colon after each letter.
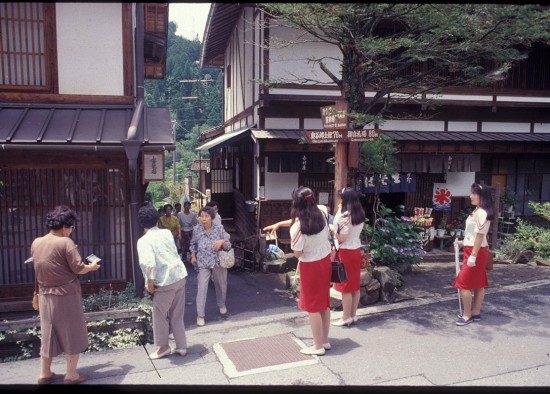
x: 190, y: 18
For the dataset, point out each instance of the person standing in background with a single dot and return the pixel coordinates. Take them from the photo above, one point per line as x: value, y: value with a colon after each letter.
x: 188, y: 220
x: 473, y: 274
x: 348, y: 224
x: 170, y: 222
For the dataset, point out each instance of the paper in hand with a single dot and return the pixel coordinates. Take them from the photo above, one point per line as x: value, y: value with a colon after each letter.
x: 93, y: 259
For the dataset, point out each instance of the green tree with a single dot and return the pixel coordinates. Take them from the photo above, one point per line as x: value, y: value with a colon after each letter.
x: 195, y: 106
x: 414, y: 48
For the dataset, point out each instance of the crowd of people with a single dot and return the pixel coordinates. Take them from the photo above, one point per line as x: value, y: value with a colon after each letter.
x: 169, y: 242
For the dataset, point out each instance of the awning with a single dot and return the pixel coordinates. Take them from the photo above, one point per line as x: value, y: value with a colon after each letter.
x: 280, y: 134
x: 441, y: 136
x: 225, y: 139
x: 79, y: 127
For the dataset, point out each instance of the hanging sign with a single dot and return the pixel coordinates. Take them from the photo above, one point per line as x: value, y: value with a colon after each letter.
x: 441, y: 198
x: 403, y: 182
x: 333, y: 136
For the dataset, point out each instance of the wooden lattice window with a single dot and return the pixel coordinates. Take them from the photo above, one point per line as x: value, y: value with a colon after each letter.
x: 27, y: 46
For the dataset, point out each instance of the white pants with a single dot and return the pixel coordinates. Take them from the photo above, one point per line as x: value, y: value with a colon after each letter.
x: 220, y: 283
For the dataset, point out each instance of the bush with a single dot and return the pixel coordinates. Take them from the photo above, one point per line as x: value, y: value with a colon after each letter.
x: 394, y: 241
x: 533, y: 236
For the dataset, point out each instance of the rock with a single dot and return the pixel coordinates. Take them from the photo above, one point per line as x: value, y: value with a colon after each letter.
x: 403, y: 268
x: 542, y: 262
x: 370, y: 289
x: 523, y: 257
x: 335, y: 300
x: 386, y: 277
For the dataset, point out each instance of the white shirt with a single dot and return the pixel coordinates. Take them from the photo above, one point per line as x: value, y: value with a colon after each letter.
x: 159, y: 258
x: 342, y: 222
x: 313, y: 247
x: 476, y: 223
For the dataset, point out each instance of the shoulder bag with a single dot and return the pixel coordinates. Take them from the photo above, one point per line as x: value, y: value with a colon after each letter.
x: 227, y: 258
x: 339, y: 273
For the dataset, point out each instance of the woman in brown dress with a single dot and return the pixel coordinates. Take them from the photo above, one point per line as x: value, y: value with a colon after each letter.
x: 57, y: 264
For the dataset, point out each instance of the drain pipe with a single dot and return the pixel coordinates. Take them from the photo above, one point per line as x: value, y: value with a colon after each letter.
x: 133, y: 148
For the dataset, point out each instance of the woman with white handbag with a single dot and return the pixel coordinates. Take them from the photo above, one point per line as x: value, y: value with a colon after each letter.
x: 208, y: 239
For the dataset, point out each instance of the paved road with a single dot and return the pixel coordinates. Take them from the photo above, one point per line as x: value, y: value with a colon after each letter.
x: 413, y: 342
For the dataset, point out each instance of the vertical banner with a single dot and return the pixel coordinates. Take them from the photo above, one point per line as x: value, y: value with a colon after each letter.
x: 441, y: 198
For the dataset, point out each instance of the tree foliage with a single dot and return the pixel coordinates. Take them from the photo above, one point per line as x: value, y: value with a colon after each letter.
x: 414, y: 48
x: 195, y: 106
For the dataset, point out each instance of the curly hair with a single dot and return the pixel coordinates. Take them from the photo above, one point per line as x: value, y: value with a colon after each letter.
x: 148, y: 216
x: 59, y: 217
x: 209, y: 210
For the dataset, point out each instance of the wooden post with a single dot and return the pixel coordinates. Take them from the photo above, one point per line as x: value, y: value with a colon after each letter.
x: 340, y: 171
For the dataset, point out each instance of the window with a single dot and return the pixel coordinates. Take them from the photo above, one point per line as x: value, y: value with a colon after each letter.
x: 26, y: 46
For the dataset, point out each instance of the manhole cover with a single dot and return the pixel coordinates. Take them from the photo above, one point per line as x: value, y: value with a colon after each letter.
x: 254, y: 355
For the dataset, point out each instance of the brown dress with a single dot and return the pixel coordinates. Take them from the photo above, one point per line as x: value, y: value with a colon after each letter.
x: 57, y: 263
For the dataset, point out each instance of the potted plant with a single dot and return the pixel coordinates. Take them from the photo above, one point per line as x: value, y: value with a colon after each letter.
x: 442, y: 225
x: 508, y: 200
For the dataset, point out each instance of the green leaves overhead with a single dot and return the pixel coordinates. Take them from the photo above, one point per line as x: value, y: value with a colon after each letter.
x: 416, y: 48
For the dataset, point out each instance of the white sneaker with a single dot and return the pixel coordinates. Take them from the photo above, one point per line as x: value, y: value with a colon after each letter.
x: 223, y: 310
x: 200, y: 321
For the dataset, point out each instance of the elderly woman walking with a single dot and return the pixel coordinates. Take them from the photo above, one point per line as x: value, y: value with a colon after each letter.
x: 57, y: 264
x: 208, y: 238
x: 165, y: 277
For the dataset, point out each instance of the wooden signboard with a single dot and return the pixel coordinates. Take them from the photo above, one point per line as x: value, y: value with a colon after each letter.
x: 335, y: 136
x: 335, y: 117
x: 153, y: 166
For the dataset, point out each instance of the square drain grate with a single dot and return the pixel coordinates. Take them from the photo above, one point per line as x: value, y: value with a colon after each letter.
x: 255, y: 355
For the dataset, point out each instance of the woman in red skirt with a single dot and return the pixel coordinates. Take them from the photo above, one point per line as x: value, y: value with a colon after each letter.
x: 348, y: 223
x: 472, y: 275
x: 309, y: 238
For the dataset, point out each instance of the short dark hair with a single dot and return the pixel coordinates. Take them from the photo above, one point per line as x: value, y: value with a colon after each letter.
x: 209, y: 210
x: 148, y: 216
x: 167, y: 206
x: 60, y: 216
x: 212, y: 203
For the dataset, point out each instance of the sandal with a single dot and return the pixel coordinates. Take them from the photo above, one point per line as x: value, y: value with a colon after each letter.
x: 50, y: 379
x: 80, y: 379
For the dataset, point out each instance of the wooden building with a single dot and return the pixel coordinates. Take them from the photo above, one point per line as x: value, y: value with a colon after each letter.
x: 74, y: 130
x: 499, y: 134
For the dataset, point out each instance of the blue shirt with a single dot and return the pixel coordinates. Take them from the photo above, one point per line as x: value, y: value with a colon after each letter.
x: 202, y: 241
x: 158, y: 257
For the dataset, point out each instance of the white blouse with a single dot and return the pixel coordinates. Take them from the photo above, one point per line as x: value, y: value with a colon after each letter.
x: 476, y: 223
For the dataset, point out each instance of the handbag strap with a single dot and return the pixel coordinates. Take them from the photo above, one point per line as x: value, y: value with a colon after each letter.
x: 331, y: 237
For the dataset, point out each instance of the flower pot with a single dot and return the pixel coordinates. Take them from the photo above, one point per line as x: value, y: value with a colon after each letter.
x: 440, y: 232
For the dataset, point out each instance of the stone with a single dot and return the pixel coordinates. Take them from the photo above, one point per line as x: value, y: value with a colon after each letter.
x: 523, y: 257
x: 370, y: 289
x: 386, y: 276
x: 542, y: 262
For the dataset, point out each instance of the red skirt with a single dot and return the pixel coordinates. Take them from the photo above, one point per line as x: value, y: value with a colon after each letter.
x: 351, y: 258
x: 473, y: 277
x: 315, y: 285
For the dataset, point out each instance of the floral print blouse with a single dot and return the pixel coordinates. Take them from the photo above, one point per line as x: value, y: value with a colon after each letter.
x: 202, y: 242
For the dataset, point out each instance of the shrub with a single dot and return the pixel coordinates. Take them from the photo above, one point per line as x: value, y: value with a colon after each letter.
x: 394, y: 240
x: 533, y: 236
